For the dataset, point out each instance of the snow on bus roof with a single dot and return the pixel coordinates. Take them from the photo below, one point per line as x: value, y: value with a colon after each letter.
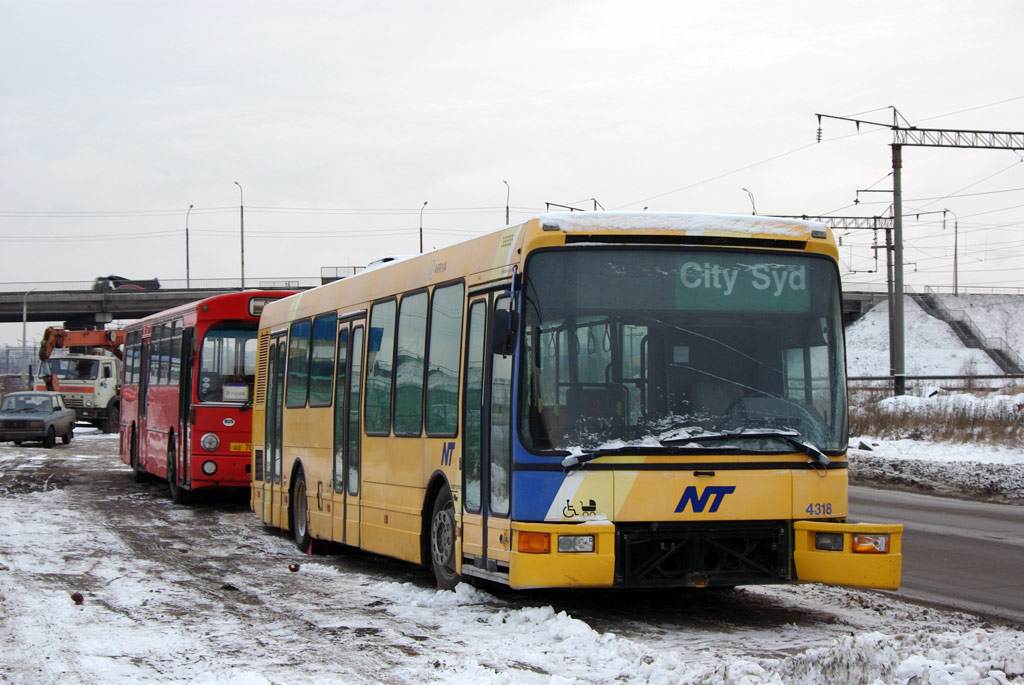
x: 691, y: 223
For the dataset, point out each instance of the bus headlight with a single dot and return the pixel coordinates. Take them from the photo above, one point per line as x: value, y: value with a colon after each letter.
x: 88, y: 403
x: 209, y: 442
x: 575, y: 543
x: 209, y: 467
x: 832, y: 542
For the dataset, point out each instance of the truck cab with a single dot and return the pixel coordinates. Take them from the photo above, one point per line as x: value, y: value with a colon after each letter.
x: 90, y: 384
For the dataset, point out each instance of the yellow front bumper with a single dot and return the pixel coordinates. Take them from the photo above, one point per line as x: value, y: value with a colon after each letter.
x: 846, y: 567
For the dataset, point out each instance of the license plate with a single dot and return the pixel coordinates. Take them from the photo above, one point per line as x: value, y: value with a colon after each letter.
x: 240, y: 447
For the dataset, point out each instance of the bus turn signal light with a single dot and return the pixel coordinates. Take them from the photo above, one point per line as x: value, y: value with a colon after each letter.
x: 871, y: 544
x: 534, y: 543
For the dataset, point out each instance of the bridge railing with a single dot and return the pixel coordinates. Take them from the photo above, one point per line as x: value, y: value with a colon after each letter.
x: 172, y: 284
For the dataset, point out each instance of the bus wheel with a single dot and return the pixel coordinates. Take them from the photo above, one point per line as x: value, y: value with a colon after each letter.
x: 442, y: 540
x: 300, y: 512
x: 179, y: 495
x: 112, y: 424
x: 139, y: 474
x: 51, y: 438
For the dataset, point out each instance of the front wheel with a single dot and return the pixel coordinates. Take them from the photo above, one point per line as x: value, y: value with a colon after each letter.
x: 51, y: 438
x: 442, y: 541
x: 300, y: 512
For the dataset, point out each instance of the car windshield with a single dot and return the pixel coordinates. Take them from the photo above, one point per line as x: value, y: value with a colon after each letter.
x: 642, y: 349
x: 74, y: 369
x: 28, y: 404
x: 227, y: 363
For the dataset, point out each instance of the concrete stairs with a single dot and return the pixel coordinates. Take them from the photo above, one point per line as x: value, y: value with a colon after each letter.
x: 969, y: 334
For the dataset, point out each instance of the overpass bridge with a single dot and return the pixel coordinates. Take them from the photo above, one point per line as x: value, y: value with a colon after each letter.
x: 77, y: 304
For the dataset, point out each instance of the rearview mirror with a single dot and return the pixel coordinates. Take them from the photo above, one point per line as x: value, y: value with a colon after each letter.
x: 504, y: 332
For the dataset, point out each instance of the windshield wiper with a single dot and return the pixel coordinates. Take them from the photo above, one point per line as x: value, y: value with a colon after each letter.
x: 791, y: 436
x: 575, y: 461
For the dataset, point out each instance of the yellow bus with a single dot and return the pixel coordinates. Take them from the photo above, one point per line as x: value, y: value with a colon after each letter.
x: 604, y: 400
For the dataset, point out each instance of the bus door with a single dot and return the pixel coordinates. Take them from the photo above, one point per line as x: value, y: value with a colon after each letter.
x: 487, y: 441
x: 273, y: 416
x: 345, y: 514
x: 185, y: 401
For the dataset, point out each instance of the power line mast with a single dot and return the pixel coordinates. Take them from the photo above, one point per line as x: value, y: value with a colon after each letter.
x: 919, y: 137
x: 874, y: 223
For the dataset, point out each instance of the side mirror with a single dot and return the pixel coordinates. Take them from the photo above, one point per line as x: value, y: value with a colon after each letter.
x: 504, y: 332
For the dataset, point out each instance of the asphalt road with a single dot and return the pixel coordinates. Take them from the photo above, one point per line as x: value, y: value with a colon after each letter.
x: 956, y: 553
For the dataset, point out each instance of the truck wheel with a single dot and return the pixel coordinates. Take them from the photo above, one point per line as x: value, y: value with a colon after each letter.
x: 66, y: 438
x: 113, y: 422
x: 442, y: 541
x: 300, y: 512
x: 51, y: 438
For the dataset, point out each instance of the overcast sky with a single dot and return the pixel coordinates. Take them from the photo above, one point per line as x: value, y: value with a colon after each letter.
x: 339, y: 119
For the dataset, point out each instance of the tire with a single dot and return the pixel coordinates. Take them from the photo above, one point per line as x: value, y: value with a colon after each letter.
x: 17, y: 442
x: 51, y: 438
x: 299, y: 509
x: 113, y: 422
x: 442, y: 540
x: 66, y: 438
x: 139, y: 474
x: 179, y: 495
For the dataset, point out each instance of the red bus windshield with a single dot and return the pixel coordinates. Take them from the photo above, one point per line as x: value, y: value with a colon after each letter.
x: 227, y: 363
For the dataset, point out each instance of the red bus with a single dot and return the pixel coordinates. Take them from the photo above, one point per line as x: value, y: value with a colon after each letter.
x: 187, y: 391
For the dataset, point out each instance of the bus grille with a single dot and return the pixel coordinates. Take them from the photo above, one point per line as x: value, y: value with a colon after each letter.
x: 722, y: 554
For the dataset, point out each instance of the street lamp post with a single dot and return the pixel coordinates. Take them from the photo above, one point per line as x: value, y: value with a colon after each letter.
x: 241, y: 228
x: 187, y: 286
x: 508, y: 194
x: 752, y: 207
x: 24, y: 353
x: 421, y: 226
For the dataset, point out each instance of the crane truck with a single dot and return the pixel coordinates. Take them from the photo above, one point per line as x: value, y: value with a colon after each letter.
x: 90, y: 381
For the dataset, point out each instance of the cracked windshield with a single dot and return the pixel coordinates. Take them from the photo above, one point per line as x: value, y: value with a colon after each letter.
x: 681, y: 349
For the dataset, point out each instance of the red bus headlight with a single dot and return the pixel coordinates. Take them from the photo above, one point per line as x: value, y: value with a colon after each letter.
x: 209, y: 442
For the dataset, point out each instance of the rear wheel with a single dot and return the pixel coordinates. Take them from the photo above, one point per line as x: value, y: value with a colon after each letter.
x: 51, y: 438
x: 179, y: 495
x: 442, y: 541
x: 66, y: 438
x: 113, y: 422
x: 138, y: 473
x: 300, y: 512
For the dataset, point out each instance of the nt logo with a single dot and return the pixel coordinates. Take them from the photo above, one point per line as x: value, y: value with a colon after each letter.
x: 698, y: 502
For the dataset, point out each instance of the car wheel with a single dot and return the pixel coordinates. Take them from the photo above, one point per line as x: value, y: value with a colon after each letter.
x: 300, y: 512
x: 16, y: 442
x: 51, y: 438
x: 66, y: 438
x: 442, y: 541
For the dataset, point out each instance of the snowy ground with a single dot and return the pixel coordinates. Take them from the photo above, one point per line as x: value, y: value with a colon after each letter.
x: 204, y: 594
x: 945, y: 467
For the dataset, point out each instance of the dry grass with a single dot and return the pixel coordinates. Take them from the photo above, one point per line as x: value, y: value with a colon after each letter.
x: 993, y: 423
